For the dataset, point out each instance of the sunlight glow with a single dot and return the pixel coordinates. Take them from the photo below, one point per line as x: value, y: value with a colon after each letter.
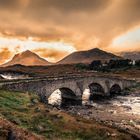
x: 129, y: 41
x: 21, y: 45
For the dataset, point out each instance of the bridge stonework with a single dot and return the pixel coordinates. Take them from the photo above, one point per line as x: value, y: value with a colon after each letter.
x: 44, y: 88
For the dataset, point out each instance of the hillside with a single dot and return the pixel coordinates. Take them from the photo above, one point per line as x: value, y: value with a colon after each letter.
x: 88, y: 56
x: 27, y: 58
x: 131, y: 55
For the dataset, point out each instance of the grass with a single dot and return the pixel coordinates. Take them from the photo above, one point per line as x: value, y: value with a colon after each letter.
x: 20, y: 109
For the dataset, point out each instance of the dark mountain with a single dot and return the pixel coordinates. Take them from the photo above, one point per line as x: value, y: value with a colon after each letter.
x: 88, y: 56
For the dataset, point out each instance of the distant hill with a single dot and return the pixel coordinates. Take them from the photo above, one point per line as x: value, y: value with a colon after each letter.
x: 88, y: 56
x: 27, y: 58
x: 131, y: 55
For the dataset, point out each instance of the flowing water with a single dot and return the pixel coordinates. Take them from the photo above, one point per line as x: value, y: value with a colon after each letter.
x: 10, y: 76
x: 131, y: 102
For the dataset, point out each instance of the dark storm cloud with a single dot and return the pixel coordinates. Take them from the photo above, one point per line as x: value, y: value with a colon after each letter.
x: 6, y: 3
x: 78, y: 21
x: 62, y: 11
x: 70, y: 5
x: 9, y: 4
x: 40, y: 6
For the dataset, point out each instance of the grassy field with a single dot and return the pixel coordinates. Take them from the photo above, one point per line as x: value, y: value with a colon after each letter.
x: 26, y: 111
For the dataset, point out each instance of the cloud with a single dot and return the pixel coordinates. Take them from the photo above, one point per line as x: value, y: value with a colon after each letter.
x: 13, y: 4
x: 52, y: 51
x: 52, y: 55
x: 125, y: 41
x: 5, y: 54
x: 84, y: 23
x: 8, y: 3
x: 69, y: 5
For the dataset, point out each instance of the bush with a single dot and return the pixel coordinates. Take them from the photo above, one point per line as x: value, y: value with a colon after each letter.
x: 119, y: 63
x: 138, y: 63
x: 81, y: 66
x: 95, y: 65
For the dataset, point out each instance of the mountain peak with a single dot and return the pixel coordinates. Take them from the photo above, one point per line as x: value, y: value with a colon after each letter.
x: 88, y: 56
x: 95, y: 49
x: 27, y: 58
x: 27, y: 51
x: 24, y: 54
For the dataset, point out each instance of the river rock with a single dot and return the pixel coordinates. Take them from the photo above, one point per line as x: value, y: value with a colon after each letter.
x: 114, y: 135
x: 132, y: 122
x: 127, y: 107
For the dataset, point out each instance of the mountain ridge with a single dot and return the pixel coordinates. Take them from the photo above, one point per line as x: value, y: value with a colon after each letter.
x: 135, y: 55
x: 88, y: 56
x: 27, y: 58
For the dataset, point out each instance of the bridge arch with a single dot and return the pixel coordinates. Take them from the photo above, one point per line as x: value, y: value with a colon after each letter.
x: 93, y: 89
x: 115, y: 89
x: 96, y: 88
x: 64, y: 97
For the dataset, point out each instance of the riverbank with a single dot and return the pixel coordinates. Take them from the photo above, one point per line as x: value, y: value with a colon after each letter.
x: 120, y: 112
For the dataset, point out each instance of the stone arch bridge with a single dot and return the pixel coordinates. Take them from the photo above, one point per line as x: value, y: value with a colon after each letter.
x: 79, y: 88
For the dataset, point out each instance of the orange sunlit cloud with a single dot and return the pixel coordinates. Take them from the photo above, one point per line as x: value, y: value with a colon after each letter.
x: 4, y: 54
x: 51, y: 54
x: 129, y: 41
x: 52, y: 51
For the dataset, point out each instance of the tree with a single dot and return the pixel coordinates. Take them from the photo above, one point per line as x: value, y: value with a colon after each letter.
x: 119, y: 63
x: 138, y: 63
x: 81, y: 66
x: 95, y: 65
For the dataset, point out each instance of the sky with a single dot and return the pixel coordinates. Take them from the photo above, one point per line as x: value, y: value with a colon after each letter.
x: 55, y: 28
